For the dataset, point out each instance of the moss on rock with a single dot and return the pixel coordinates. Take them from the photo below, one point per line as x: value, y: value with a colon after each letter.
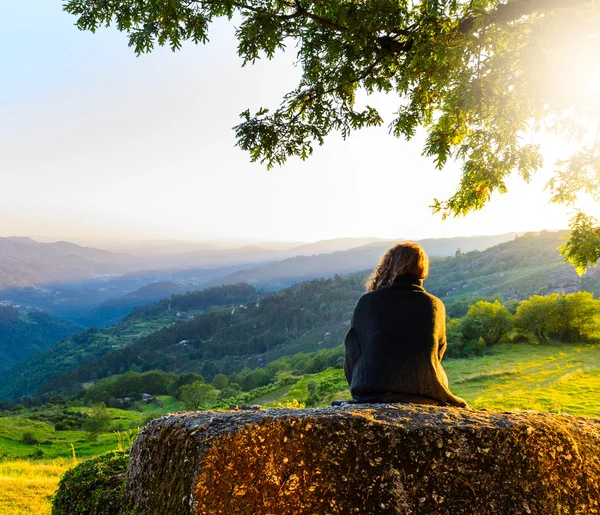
x: 393, y: 459
x: 94, y: 487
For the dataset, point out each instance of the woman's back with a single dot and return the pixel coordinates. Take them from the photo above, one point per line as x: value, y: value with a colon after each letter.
x: 395, y: 346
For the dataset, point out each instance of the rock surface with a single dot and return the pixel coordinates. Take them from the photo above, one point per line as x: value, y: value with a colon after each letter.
x: 366, y: 459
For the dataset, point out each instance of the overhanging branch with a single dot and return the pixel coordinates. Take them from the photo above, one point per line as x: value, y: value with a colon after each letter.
x: 512, y: 11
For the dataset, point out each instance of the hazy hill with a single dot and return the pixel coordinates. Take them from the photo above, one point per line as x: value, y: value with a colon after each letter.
x: 256, y: 253
x: 73, y: 282
x: 24, y: 261
x: 24, y: 334
x: 301, y: 268
x: 296, y: 319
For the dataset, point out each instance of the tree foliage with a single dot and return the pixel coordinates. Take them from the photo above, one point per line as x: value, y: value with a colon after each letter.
x: 490, y: 321
x: 98, y: 422
x: 480, y: 76
x: 198, y: 395
x: 557, y: 318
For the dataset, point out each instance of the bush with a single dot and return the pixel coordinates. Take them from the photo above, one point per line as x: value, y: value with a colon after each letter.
x: 466, y: 349
x: 573, y: 317
x: 460, y: 347
x: 95, y: 487
x: 29, y: 438
x: 489, y: 321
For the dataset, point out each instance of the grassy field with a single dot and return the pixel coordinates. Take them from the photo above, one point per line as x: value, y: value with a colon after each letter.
x: 552, y: 378
x: 58, y: 444
x: 558, y: 379
x: 27, y: 487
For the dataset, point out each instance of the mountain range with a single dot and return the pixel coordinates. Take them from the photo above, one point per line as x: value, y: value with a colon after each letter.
x: 300, y: 318
x: 26, y: 262
x: 73, y: 282
x: 284, y: 273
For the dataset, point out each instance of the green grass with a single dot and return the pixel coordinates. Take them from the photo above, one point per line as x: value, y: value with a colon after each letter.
x: 272, y: 397
x: 551, y: 378
x: 56, y: 444
x: 169, y: 405
x: 561, y: 378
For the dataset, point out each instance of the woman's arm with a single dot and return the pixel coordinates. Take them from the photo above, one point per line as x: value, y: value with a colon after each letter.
x: 352, y: 352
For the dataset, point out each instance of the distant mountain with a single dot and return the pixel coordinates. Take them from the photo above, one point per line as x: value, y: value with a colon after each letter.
x: 26, y: 262
x: 298, y: 319
x: 258, y: 253
x: 24, y: 334
x: 156, y: 247
x: 301, y: 268
x: 334, y: 245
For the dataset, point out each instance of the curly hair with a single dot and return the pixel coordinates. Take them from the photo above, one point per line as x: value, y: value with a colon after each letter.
x: 406, y: 258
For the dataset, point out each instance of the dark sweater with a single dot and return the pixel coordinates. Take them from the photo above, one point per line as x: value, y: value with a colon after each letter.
x: 395, y: 346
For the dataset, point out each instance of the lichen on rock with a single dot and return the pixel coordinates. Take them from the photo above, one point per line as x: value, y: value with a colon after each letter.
x: 366, y: 459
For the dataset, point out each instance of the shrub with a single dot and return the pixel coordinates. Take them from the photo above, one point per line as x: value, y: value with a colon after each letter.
x: 458, y: 346
x: 38, y: 454
x: 94, y: 487
x: 573, y: 317
x: 489, y: 321
x: 29, y: 438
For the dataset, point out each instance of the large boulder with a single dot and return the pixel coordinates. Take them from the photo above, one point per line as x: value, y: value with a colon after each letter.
x: 366, y: 459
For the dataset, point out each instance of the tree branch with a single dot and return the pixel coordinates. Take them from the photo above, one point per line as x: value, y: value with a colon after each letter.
x: 514, y: 10
x: 300, y: 12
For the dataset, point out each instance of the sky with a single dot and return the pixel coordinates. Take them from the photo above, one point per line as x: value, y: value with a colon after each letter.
x: 96, y: 142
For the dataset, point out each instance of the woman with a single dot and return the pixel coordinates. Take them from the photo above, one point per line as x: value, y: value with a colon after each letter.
x: 397, y: 337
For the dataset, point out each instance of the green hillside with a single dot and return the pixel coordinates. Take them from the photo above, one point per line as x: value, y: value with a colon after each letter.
x: 26, y: 378
x: 303, y: 318
x: 306, y: 317
x: 23, y: 334
x: 517, y: 269
x: 558, y: 379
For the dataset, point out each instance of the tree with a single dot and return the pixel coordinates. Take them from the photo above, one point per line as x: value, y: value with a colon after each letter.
x: 97, y: 422
x: 220, y: 381
x: 198, y: 395
x: 574, y: 317
x: 486, y: 320
x: 174, y: 387
x: 478, y: 75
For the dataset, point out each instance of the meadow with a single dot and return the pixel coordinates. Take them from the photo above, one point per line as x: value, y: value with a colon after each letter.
x: 551, y: 378
x: 27, y: 487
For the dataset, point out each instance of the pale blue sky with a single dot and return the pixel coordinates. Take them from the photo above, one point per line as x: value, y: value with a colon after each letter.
x: 97, y: 142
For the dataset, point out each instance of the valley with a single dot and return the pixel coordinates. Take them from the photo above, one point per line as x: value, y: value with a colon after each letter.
x: 273, y: 339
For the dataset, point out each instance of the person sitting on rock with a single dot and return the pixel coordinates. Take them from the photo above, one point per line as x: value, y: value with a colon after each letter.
x: 397, y: 337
